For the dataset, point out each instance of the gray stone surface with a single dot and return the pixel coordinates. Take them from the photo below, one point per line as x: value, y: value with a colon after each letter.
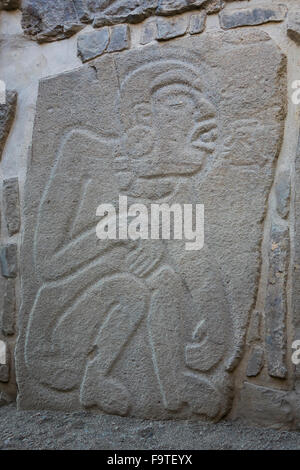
x: 11, y: 205
x: 9, y: 308
x: 149, y: 32
x: 171, y: 7
x: 81, y: 430
x: 254, y: 332
x: 51, y: 20
x: 5, y: 399
x: 168, y: 28
x: 116, y: 11
x: 197, y: 23
x: 264, y: 406
x: 256, y: 362
x: 147, y: 329
x: 59, y: 19
x: 283, y: 191
x: 296, y: 264
x: 92, y: 44
x: 293, y: 25
x: 119, y: 38
x: 9, y: 260
x: 252, y: 16
x: 276, y: 302
x: 9, y: 4
x: 7, y: 114
x: 4, y: 373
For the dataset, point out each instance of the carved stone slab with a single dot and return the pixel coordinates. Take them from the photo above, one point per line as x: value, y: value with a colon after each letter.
x: 148, y: 328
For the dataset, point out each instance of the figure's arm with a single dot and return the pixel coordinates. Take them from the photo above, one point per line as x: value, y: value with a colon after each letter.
x: 59, y: 250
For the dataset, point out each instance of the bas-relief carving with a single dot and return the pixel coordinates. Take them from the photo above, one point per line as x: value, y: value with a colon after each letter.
x: 147, y: 328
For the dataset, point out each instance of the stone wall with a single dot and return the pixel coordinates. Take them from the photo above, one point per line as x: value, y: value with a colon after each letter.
x: 185, y: 101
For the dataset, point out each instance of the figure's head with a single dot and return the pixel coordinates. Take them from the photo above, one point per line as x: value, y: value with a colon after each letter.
x: 169, y: 128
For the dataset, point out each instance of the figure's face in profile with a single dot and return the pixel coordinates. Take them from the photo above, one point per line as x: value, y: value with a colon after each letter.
x: 172, y: 134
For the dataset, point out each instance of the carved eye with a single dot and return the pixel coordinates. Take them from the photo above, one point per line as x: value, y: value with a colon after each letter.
x: 139, y: 141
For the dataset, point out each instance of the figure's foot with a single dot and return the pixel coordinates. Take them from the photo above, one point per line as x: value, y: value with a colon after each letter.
x: 201, y: 396
x: 108, y: 394
x: 172, y: 402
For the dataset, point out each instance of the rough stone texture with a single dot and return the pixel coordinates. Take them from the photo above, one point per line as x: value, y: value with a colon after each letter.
x: 283, y: 191
x: 9, y: 260
x: 171, y: 7
x: 2, y: 352
x: 256, y: 362
x: 7, y: 114
x: 293, y: 25
x: 119, y: 38
x: 11, y: 205
x: 168, y: 28
x: 81, y: 430
x: 50, y: 20
x: 115, y: 11
x: 93, y: 44
x: 145, y: 328
x: 59, y: 19
x: 252, y: 16
x: 149, y: 32
x: 5, y: 399
x: 276, y: 303
x: 264, y: 406
x: 5, y: 369
x: 9, y: 308
x: 296, y: 265
x: 197, y: 23
x: 254, y: 332
x: 9, y: 4
x: 4, y: 373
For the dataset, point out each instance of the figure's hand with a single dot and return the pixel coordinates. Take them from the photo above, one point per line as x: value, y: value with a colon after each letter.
x: 145, y: 257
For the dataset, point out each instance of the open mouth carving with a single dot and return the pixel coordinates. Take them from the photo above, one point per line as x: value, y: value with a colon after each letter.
x: 204, y: 135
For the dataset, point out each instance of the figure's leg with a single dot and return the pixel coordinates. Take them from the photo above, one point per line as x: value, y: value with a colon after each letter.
x: 165, y: 333
x: 56, y: 345
x: 177, y: 384
x: 125, y: 303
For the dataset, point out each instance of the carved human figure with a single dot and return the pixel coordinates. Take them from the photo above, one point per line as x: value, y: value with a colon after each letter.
x: 167, y: 137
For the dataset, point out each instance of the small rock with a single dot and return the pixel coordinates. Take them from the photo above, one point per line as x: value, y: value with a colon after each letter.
x: 3, y: 349
x: 119, y: 38
x: 276, y: 302
x: 93, y: 44
x: 197, y: 23
x: 252, y: 16
x: 282, y: 191
x: 7, y: 114
x: 293, y: 26
x: 4, y: 373
x: 11, y: 205
x: 9, y: 308
x: 8, y: 260
x: 171, y: 7
x: 45, y: 22
x: 256, y: 362
x: 168, y: 28
x: 149, y: 33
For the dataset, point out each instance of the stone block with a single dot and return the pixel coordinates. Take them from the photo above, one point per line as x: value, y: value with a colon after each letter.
x: 11, y: 205
x: 252, y: 16
x: 147, y: 328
